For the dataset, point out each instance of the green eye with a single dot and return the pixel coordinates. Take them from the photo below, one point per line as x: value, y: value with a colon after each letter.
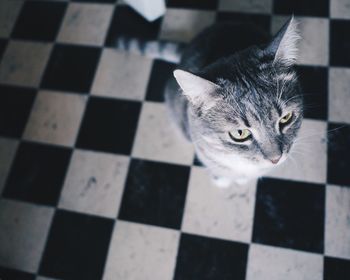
x: 286, y: 118
x: 240, y: 135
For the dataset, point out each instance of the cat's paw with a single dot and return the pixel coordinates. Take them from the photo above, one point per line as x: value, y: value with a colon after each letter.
x: 221, y: 182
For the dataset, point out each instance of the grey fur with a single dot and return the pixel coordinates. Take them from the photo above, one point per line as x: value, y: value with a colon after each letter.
x: 256, y: 85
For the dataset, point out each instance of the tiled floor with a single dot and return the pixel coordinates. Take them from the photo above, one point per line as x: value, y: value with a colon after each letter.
x: 96, y: 184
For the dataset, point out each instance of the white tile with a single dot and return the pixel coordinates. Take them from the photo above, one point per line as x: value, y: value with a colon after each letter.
x: 340, y: 9
x: 339, y: 95
x: 247, y: 6
x: 122, y: 75
x: 274, y: 263
x: 94, y: 183
x: 24, y: 228
x: 8, y: 148
x: 157, y: 138
x: 314, y: 43
x: 55, y: 118
x: 183, y: 24
x: 23, y: 63
x: 9, y: 10
x: 313, y: 47
x: 337, y: 230
x: 85, y: 24
x: 307, y: 160
x: 217, y: 212
x: 141, y: 252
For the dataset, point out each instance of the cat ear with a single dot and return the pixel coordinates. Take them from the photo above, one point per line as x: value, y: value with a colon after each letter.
x: 283, y: 46
x: 195, y: 88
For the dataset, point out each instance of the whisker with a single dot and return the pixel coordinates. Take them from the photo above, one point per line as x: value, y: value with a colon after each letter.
x: 337, y: 128
x: 303, y: 153
x: 293, y: 161
x: 313, y: 106
x: 291, y: 98
x: 300, y: 148
x: 195, y: 141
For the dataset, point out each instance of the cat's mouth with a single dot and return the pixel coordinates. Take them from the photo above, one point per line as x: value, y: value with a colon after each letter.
x: 275, y: 160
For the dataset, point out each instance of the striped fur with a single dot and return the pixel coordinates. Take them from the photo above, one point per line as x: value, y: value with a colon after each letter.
x: 162, y: 49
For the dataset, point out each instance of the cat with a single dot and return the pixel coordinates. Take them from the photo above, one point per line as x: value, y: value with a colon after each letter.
x: 235, y: 95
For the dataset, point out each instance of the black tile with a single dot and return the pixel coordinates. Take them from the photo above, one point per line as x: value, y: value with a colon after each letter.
x: 161, y: 72
x: 71, y: 68
x: 336, y: 269
x: 208, y: 258
x: 340, y: 43
x: 126, y: 22
x: 155, y: 193
x: 39, y: 20
x: 314, y: 82
x: 338, y: 154
x: 37, y: 173
x: 15, y: 107
x: 12, y: 274
x: 262, y: 21
x: 301, y: 7
x: 193, y: 4
x: 289, y: 214
x: 77, y: 246
x: 109, y: 125
x: 3, y: 44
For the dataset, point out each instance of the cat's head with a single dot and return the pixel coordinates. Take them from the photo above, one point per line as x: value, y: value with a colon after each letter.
x: 250, y: 104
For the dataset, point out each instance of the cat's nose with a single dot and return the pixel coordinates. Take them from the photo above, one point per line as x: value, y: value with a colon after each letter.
x: 276, y: 159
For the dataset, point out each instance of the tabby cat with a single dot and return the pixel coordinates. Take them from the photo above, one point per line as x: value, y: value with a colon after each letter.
x: 235, y: 95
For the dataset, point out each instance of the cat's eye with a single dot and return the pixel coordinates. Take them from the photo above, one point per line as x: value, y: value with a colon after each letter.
x: 240, y: 135
x: 286, y: 118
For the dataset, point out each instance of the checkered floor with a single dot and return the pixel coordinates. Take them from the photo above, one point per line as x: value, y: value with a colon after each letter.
x: 95, y: 184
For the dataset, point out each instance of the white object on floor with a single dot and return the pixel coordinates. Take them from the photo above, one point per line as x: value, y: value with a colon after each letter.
x: 150, y: 9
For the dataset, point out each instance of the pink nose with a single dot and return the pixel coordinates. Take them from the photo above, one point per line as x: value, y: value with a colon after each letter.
x: 275, y: 160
